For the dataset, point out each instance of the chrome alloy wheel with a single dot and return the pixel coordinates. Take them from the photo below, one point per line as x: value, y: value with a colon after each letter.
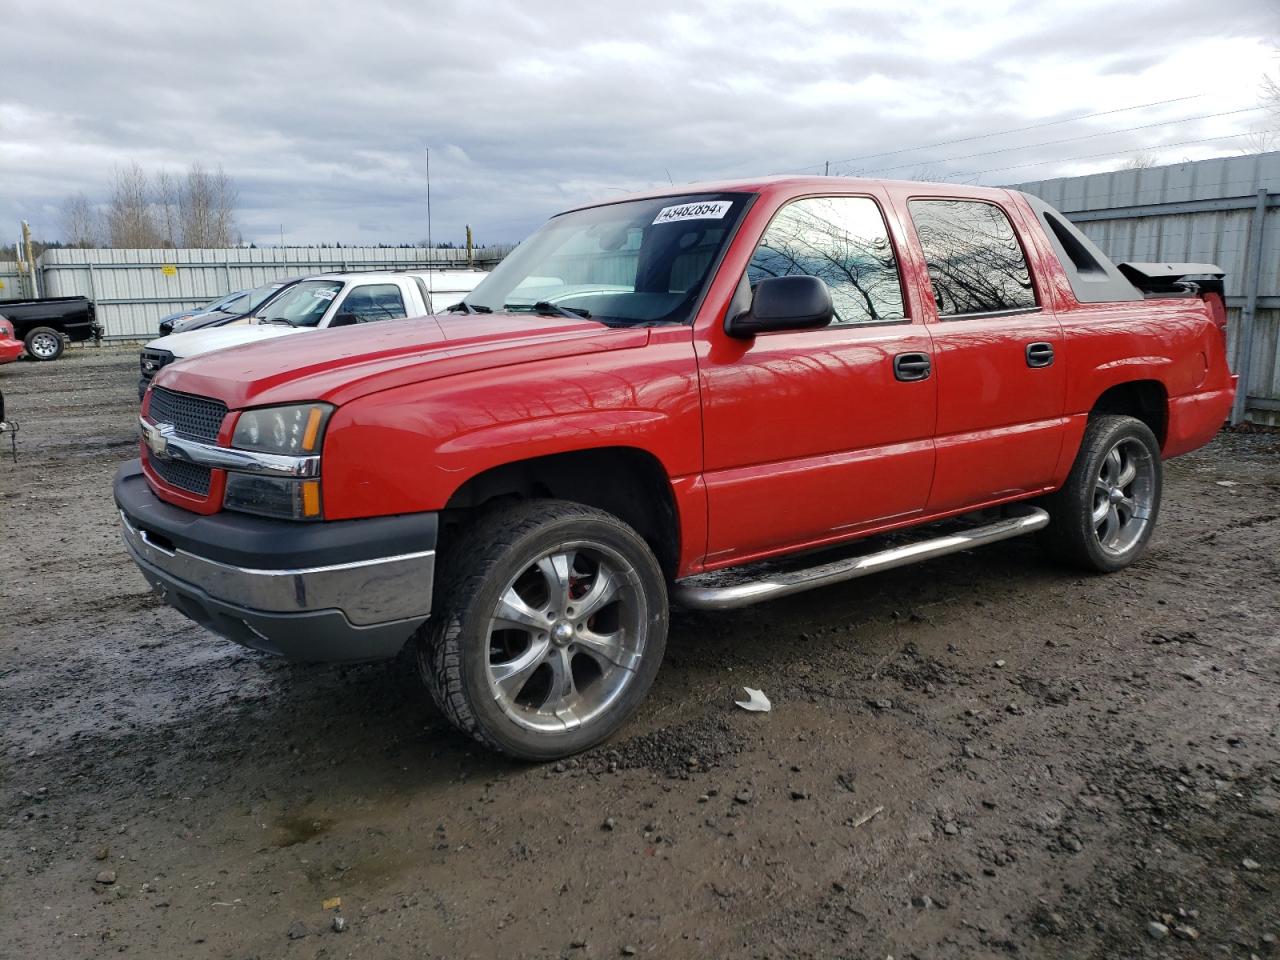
x: 1123, y: 496
x: 45, y: 345
x: 567, y: 637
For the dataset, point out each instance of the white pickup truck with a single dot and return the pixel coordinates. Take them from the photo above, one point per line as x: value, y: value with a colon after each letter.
x: 327, y: 300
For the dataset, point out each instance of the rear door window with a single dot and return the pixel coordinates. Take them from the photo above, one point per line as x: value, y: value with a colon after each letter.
x: 976, y: 263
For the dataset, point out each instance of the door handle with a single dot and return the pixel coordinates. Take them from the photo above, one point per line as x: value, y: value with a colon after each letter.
x: 911, y: 366
x: 1039, y: 354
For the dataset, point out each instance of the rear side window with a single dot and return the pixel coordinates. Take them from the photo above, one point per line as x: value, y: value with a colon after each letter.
x: 843, y: 241
x: 975, y: 262
x: 374, y: 301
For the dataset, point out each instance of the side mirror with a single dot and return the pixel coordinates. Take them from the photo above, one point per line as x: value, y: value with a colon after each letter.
x: 343, y: 320
x: 784, y: 303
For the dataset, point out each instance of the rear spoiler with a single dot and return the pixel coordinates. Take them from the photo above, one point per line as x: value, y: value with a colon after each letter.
x: 1164, y: 279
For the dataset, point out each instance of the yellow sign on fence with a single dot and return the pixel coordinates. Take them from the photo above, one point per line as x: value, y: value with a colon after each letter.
x: 169, y: 270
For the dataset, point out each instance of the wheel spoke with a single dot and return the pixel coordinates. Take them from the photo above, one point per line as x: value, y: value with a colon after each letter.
x: 1100, y: 510
x: 604, y: 589
x: 1111, y: 525
x: 512, y: 675
x: 555, y: 569
x: 609, y: 647
x: 561, y: 679
x: 1111, y: 466
x: 1128, y: 474
x: 513, y: 612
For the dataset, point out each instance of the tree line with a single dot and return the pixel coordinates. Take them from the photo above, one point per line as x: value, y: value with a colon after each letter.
x: 150, y: 210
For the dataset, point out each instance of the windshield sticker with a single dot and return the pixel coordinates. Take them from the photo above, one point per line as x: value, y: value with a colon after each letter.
x: 713, y: 210
x: 325, y: 294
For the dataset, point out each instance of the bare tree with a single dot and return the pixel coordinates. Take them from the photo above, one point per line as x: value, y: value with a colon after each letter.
x: 130, y: 218
x: 226, y: 197
x: 81, y: 226
x: 207, y: 207
x: 1261, y: 141
x: 1266, y: 135
x: 1140, y: 161
x: 167, y: 195
x: 160, y: 210
x: 1270, y: 98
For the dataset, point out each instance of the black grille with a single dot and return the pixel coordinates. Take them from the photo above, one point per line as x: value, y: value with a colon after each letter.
x: 185, y: 476
x: 196, y: 418
x: 152, y: 360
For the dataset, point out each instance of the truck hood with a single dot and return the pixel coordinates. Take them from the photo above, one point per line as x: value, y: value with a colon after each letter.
x: 192, y: 343
x: 340, y: 365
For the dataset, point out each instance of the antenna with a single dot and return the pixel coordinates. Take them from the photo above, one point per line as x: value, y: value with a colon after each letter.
x: 427, y: 151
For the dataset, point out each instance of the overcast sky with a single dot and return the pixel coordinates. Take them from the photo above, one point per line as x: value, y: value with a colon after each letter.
x: 321, y: 112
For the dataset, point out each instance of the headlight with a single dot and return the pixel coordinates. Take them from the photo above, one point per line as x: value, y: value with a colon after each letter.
x: 292, y: 431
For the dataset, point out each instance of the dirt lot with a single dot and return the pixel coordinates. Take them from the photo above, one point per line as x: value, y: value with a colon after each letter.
x: 986, y: 755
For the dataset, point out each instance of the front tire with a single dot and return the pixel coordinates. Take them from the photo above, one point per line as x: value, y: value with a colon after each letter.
x: 550, y: 625
x: 44, y: 343
x: 1103, y: 516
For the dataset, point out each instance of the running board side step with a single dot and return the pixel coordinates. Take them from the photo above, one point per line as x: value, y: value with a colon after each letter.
x: 688, y: 592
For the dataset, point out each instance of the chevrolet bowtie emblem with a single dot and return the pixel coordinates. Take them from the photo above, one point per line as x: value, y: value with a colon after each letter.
x: 157, y: 436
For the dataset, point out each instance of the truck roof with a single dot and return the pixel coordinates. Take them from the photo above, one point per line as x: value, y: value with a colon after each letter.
x: 803, y: 185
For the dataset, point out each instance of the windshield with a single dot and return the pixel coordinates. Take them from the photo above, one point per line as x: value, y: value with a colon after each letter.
x: 236, y: 303
x: 304, y: 303
x: 260, y: 295
x: 637, y: 262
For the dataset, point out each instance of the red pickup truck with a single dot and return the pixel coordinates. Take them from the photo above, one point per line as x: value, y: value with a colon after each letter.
x: 650, y: 391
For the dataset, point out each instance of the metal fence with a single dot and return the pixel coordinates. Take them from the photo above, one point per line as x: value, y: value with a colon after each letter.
x: 1224, y: 211
x: 12, y: 282
x: 133, y: 289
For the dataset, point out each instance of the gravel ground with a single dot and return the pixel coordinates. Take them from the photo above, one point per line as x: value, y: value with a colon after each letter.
x: 985, y: 755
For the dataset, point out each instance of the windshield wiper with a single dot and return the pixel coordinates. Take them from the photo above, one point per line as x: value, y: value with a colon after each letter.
x: 463, y: 307
x: 548, y: 309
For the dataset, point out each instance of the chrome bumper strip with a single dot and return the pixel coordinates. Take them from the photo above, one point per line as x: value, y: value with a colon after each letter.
x: 367, y: 591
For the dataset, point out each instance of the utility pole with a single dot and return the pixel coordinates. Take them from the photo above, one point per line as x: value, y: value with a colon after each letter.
x: 826, y: 170
x: 31, y: 261
x: 470, y: 263
x: 430, y: 247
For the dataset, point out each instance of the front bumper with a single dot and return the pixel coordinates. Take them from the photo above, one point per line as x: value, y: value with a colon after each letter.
x: 10, y: 350
x: 341, y: 590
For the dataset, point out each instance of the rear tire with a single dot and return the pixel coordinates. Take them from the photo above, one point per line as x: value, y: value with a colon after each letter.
x: 1103, y: 516
x: 549, y: 626
x: 44, y: 343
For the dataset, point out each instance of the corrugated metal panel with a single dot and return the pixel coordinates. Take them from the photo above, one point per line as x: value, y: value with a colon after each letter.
x: 1176, y: 183
x: 133, y: 289
x: 12, y: 286
x: 1157, y: 231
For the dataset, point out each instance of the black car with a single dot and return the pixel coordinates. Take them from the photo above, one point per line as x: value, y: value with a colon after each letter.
x: 242, y: 306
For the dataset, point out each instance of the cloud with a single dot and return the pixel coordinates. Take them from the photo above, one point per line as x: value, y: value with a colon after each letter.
x: 321, y: 113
